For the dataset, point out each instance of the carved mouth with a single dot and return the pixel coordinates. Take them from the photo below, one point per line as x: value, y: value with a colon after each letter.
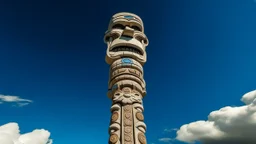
x: 126, y: 48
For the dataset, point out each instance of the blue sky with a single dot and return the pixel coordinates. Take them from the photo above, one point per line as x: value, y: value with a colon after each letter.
x: 201, y: 57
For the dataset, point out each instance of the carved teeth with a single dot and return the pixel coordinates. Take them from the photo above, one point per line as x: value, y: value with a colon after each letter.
x: 129, y: 49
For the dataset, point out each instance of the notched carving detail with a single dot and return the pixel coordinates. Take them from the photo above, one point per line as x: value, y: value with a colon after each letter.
x: 127, y: 129
x: 139, y: 116
x: 128, y: 124
x: 115, y: 116
x: 113, y: 138
x: 142, y: 138
x: 127, y: 137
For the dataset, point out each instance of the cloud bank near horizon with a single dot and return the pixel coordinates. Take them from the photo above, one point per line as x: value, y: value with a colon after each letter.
x: 10, y: 134
x: 228, y: 125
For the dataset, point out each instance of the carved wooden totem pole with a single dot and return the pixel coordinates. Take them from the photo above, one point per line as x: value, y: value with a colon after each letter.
x: 126, y: 43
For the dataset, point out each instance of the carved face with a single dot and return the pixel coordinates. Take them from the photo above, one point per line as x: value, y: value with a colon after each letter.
x: 127, y: 96
x: 125, y: 38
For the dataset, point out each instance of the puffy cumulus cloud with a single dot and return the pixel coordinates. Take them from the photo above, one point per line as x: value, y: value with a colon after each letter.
x: 14, y: 99
x: 229, y: 125
x: 10, y: 134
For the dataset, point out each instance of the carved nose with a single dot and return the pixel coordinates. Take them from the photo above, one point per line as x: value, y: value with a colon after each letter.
x: 126, y: 95
x: 128, y: 31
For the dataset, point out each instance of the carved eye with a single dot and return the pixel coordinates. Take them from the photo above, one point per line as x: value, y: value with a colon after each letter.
x: 137, y: 94
x: 139, y: 38
x: 136, y: 28
x: 118, y: 26
x: 142, y: 39
x: 113, y: 36
x: 145, y: 41
x: 117, y: 94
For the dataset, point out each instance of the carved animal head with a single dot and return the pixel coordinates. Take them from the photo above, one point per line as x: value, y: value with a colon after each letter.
x: 127, y: 96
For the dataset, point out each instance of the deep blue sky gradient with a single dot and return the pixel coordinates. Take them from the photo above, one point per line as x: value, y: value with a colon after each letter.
x: 201, y: 57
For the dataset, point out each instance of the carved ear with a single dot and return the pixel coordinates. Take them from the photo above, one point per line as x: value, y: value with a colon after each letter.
x: 115, y: 107
x: 141, y: 126
x: 111, y: 36
x: 114, y: 127
x: 139, y: 107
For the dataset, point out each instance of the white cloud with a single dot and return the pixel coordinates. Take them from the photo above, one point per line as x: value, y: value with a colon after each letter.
x: 170, y: 130
x: 10, y: 134
x: 166, y: 140
x: 14, y: 99
x: 229, y: 125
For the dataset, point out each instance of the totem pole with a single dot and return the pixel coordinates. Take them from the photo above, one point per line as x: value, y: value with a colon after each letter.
x: 126, y: 43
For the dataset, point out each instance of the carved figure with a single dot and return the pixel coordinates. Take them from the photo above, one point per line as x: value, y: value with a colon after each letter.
x: 126, y: 55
